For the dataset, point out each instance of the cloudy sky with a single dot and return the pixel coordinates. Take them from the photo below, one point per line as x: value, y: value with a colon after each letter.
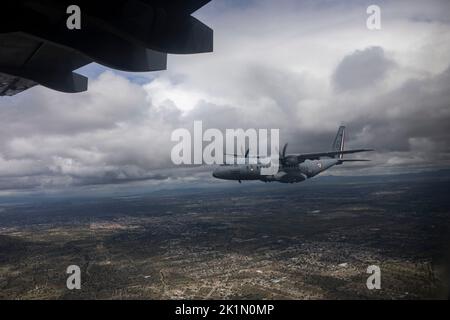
x: 304, y: 67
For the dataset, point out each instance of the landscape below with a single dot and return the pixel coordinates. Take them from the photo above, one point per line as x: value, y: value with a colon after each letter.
x: 313, y: 240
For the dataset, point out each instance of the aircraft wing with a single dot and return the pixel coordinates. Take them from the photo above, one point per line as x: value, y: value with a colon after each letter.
x: 11, y: 85
x: 330, y: 154
x: 36, y: 47
x: 27, y: 61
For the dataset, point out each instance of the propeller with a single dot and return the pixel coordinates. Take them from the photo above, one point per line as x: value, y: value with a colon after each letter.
x: 242, y: 152
x: 284, y: 150
x: 287, y: 160
x: 245, y: 155
x: 240, y: 155
x: 282, y: 156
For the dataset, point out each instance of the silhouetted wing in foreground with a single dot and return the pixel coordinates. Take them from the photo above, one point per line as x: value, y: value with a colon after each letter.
x: 36, y: 47
x: 11, y: 85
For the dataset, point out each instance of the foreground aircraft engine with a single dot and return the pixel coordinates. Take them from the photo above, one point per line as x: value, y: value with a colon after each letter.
x: 284, y: 177
x: 39, y: 45
x: 288, y: 160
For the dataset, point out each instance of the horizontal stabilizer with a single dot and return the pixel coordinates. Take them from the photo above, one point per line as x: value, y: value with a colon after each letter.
x: 330, y: 154
x: 341, y: 161
x: 353, y: 160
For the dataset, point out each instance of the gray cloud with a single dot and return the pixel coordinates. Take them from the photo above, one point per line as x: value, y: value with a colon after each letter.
x: 362, y: 69
x: 284, y: 66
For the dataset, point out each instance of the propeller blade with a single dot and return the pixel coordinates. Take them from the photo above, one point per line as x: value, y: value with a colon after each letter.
x: 246, y: 153
x: 284, y: 150
x: 242, y: 150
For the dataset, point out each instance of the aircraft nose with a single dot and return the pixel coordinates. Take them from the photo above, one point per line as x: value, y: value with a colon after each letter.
x: 217, y: 173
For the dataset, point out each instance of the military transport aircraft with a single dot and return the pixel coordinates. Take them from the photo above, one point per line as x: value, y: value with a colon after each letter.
x: 292, y: 167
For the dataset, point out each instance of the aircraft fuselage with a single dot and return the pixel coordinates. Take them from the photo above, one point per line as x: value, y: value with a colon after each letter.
x: 286, y: 174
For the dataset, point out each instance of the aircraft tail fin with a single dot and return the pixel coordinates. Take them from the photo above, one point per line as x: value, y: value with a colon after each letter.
x: 339, y: 140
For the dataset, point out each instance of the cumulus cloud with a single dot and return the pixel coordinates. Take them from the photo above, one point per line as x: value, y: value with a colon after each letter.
x: 304, y: 67
x: 362, y: 69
